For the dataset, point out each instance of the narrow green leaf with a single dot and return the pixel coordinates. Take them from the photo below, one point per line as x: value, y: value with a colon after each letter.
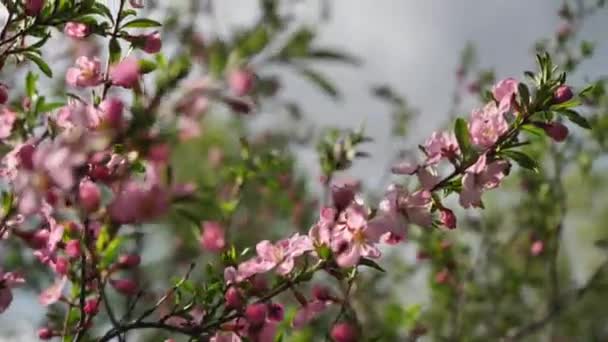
x: 521, y: 159
x: 30, y: 84
x: 146, y: 66
x: 576, y: 118
x: 40, y: 63
x: 320, y: 81
x: 332, y: 55
x: 115, y: 51
x: 370, y: 263
x: 534, y: 130
x: 524, y: 94
x: 461, y: 130
x: 141, y: 23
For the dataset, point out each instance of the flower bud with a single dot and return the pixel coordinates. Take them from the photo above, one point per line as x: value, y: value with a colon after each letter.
x: 89, y: 195
x: 212, y: 238
x: 276, y: 312
x: 537, y: 248
x: 72, y: 248
x: 26, y: 156
x: 233, y: 297
x: 240, y: 81
x: 3, y: 94
x: 562, y: 94
x: 556, y: 130
x: 129, y: 260
x: 322, y: 293
x: 152, y: 43
x: 45, y: 333
x: 256, y: 313
x: 442, y: 276
x: 112, y: 112
x: 76, y: 30
x: 126, y: 73
x: 343, y: 332
x: 62, y: 265
x: 448, y: 218
x: 33, y: 7
x: 126, y: 287
x: 564, y: 31
x: 91, y: 306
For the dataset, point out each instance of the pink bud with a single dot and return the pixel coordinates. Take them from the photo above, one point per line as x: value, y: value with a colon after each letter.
x: 153, y: 43
x: 62, y: 266
x: 39, y: 239
x: 127, y: 287
x: 26, y: 156
x: 3, y: 94
x: 33, y: 7
x: 256, y: 313
x: 45, y: 333
x: 564, y: 31
x: 233, y: 297
x: 91, y: 306
x: 557, y: 131
x: 537, y: 248
x: 212, y: 238
x: 159, y: 153
x: 129, y: 260
x: 126, y: 73
x: 72, y: 248
x: 562, y: 94
x: 241, y: 81
x: 442, y: 276
x: 76, y: 30
x: 276, y: 312
x: 343, y: 332
x: 137, y: 3
x: 112, y: 112
x: 322, y: 293
x: 89, y: 195
x: 448, y: 218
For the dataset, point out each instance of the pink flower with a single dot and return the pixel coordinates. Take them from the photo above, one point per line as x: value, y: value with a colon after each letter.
x: 504, y: 91
x: 87, y: 73
x: 308, y: 312
x: 537, y: 248
x: 562, y: 94
x: 7, y: 120
x: 137, y: 3
x: 343, y: 332
x: 404, y: 167
x: 3, y: 94
x: 126, y: 73
x: 343, y: 193
x: 33, y: 7
x: 8, y: 281
x: 353, y: 238
x: 487, y: 125
x: 91, y: 306
x: 225, y: 336
x: 62, y: 266
x: 137, y: 202
x: 428, y: 177
x: 441, y: 145
x: 53, y: 293
x: 76, y: 30
x: 212, y: 238
x: 240, y: 81
x: 111, y: 110
x: 152, y: 43
x: 480, y: 177
x: 89, y: 195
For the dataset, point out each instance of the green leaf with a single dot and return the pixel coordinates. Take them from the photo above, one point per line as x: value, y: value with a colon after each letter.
x: 115, y: 52
x: 370, y: 263
x: 254, y: 42
x: 39, y: 62
x: 50, y: 106
x: 111, y: 252
x: 298, y: 44
x: 146, y: 66
x: 461, y: 130
x: 576, y: 118
x: 566, y: 105
x: 521, y: 159
x: 141, y: 23
x: 320, y: 81
x: 30, y: 84
x: 534, y: 130
x: 524, y: 94
x: 218, y: 57
x: 332, y: 55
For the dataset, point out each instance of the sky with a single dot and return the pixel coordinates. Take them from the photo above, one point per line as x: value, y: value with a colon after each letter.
x: 413, y: 45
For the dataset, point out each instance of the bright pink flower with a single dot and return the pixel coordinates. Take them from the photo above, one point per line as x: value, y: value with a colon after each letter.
x: 76, y: 30
x: 8, y: 281
x: 159, y: 153
x: 137, y: 3
x: 343, y: 332
x: 111, y: 110
x: 562, y: 94
x: 129, y: 260
x: 441, y: 145
x: 87, y: 73
x: 556, y: 130
x: 504, y: 91
x: 126, y: 287
x: 72, y: 248
x: 487, y: 125
x: 240, y: 81
x: 212, y: 237
x: 152, y: 43
x: 33, y: 7
x: 480, y: 177
x: 45, y: 333
x: 89, y: 195
x: 3, y: 94
x: 53, y: 293
x: 7, y: 120
x: 126, y: 73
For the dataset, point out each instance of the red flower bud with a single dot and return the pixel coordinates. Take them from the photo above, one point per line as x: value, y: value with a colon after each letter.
x: 129, y: 260
x: 537, y: 248
x: 26, y: 154
x: 33, y: 7
x: 91, y: 306
x: 241, y: 81
x: 152, y: 43
x: 89, y: 195
x: 233, y: 297
x: 343, y: 332
x: 3, y: 94
x: 62, y: 266
x: 322, y: 293
x: 276, y: 312
x: 126, y: 287
x: 557, y: 131
x: 256, y: 313
x: 45, y: 333
x: 72, y: 248
x: 562, y: 94
x: 448, y: 218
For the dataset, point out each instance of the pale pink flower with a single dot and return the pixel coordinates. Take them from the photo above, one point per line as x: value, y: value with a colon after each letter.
x: 53, y: 293
x: 480, y: 177
x: 320, y: 233
x: 137, y: 202
x: 487, y: 125
x: 76, y: 30
x: 428, y: 177
x: 112, y: 112
x: 504, y: 91
x: 417, y: 208
x: 308, y: 312
x: 404, y: 167
x: 7, y: 120
x: 353, y: 238
x: 77, y: 115
x: 8, y: 281
x: 87, y: 73
x: 212, y: 237
x: 441, y: 145
x: 126, y: 73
